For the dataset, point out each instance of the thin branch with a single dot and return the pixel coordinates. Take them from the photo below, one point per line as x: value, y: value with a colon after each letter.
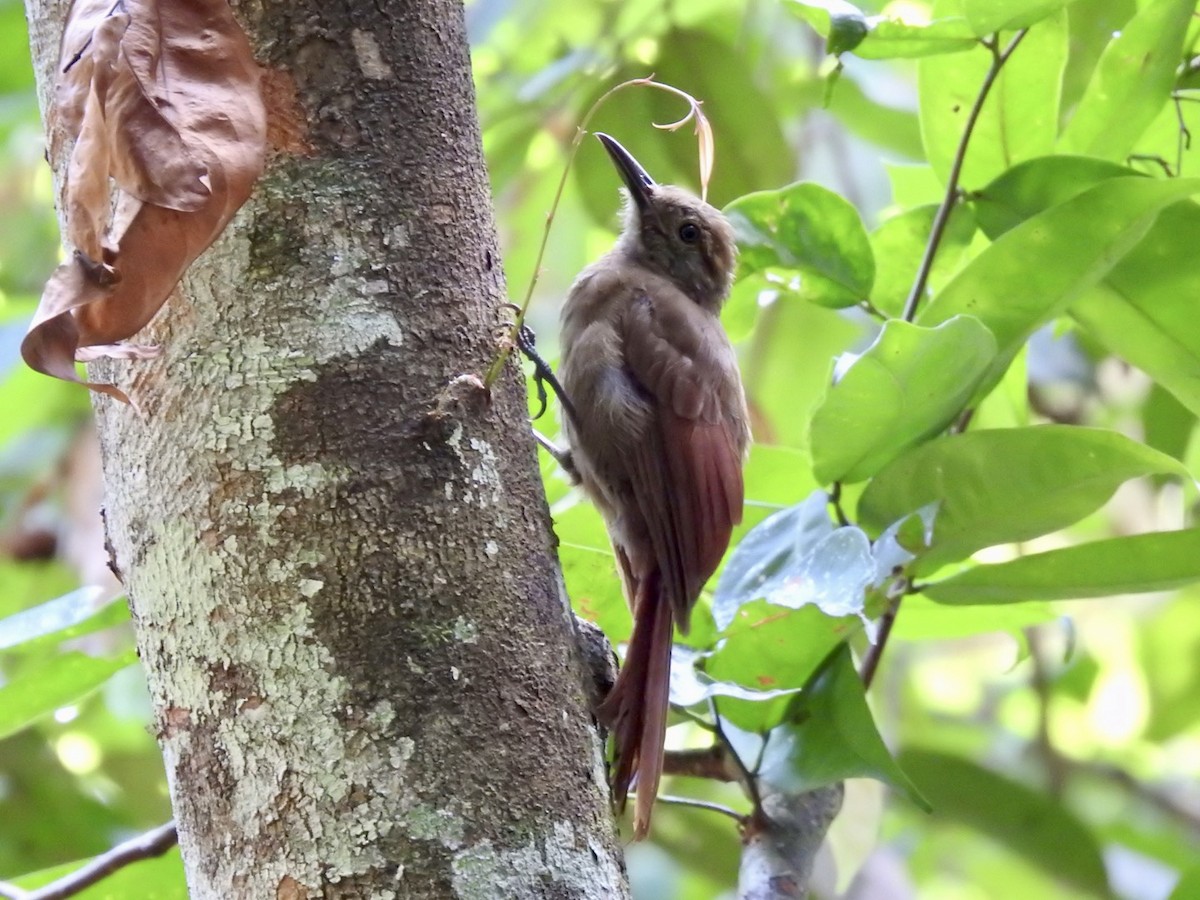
x: 712, y: 763
x: 834, y: 496
x: 144, y: 846
x: 703, y: 804
x: 875, y: 654
x: 1184, y: 141
x: 948, y: 201
x: 748, y: 780
x: 1160, y: 800
x: 1039, y: 682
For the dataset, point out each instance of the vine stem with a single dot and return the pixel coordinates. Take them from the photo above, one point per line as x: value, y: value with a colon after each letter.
x: 999, y: 58
x: 703, y: 129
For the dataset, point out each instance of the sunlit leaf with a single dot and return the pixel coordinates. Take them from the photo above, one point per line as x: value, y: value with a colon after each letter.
x: 810, y: 230
x: 1007, y: 484
x: 691, y: 686
x: 1124, y: 565
x: 772, y: 648
x: 73, y: 614
x: 898, y: 245
x: 766, y: 558
x: 1131, y: 82
x: 1188, y: 885
x: 1019, y: 119
x: 41, y: 688
x: 847, y: 28
x: 830, y: 735
x: 987, y: 16
x: 908, y: 385
x: 1142, y: 310
x: 1035, y: 270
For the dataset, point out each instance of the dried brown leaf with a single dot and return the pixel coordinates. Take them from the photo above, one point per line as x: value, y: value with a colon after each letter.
x: 87, y: 196
x: 183, y: 100
x: 150, y: 158
x: 704, y: 137
x: 75, y: 67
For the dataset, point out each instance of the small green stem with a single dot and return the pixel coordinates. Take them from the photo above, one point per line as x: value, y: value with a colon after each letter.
x: 943, y: 214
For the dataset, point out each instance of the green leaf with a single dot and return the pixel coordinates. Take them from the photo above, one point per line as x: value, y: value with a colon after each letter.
x: 1169, y: 651
x: 1031, y: 823
x: 783, y: 386
x: 770, y: 648
x: 691, y: 686
x: 589, y: 571
x: 79, y: 612
x: 1092, y: 23
x: 807, y: 229
x: 885, y: 37
x: 907, y: 386
x: 1038, y: 268
x: 898, y: 244
x: 770, y: 556
x: 1124, y: 565
x: 1006, y: 485
x: 987, y: 16
x: 924, y: 620
x: 1131, y: 83
x: 830, y: 736
x: 1019, y: 119
x: 1143, y: 309
x: 1036, y: 185
x: 1188, y: 886
x: 40, y: 689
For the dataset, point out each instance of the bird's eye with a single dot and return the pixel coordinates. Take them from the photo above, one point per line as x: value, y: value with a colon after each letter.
x: 689, y: 233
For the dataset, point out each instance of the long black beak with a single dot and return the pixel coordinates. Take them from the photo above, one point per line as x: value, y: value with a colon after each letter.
x: 636, y: 178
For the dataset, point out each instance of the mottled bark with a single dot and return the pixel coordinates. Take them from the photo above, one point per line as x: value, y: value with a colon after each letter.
x: 336, y: 546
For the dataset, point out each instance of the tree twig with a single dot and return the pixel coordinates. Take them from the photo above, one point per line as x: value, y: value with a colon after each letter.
x: 144, y: 846
x: 834, y: 496
x: 999, y: 58
x: 712, y: 763
x: 1039, y: 682
x: 747, y: 778
x: 703, y: 804
x: 886, y: 621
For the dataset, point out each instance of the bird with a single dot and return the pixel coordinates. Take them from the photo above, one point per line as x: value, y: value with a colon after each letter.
x: 658, y: 434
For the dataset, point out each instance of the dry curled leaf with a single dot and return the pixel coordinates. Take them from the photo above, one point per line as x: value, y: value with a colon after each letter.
x: 163, y: 99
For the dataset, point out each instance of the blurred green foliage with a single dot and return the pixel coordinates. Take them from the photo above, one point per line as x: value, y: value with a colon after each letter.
x: 1053, y: 734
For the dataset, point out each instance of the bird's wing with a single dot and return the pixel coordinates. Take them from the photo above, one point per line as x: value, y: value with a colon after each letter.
x: 687, y: 473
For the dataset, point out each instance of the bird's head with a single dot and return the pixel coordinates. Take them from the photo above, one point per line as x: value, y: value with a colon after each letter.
x: 675, y: 233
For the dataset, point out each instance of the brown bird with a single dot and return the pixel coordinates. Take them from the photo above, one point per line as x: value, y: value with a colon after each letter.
x: 658, y: 433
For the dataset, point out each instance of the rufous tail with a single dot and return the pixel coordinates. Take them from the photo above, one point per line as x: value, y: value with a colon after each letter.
x: 635, y: 710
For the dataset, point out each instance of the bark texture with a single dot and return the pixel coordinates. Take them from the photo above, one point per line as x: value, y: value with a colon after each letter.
x: 336, y: 546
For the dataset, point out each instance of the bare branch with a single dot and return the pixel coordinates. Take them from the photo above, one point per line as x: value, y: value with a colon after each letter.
x: 144, y: 846
x: 712, y: 763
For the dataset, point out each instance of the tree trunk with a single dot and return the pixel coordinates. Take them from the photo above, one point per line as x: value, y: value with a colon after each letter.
x: 336, y: 546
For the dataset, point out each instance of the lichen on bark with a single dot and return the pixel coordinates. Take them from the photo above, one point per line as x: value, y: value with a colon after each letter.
x: 336, y: 545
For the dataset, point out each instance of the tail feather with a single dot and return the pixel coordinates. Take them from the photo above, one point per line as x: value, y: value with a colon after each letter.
x: 636, y: 707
